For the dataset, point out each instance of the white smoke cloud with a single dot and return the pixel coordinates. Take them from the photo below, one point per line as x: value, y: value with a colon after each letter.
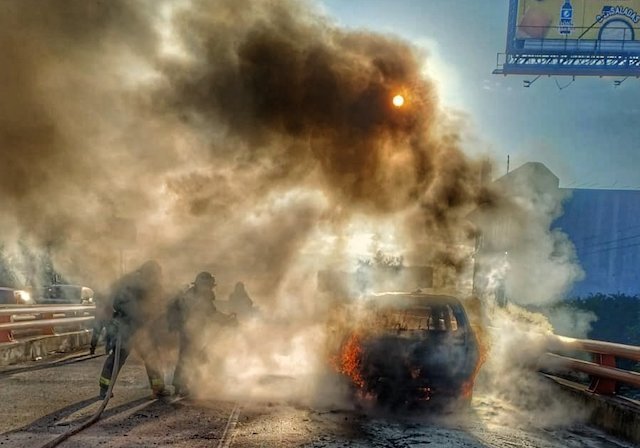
x: 239, y: 137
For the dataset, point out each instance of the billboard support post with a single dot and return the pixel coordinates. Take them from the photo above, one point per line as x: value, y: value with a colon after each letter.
x: 620, y: 81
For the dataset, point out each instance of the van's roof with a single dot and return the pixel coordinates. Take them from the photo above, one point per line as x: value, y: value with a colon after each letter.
x: 409, y: 299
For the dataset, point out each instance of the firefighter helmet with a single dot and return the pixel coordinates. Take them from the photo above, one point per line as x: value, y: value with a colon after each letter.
x: 206, y: 278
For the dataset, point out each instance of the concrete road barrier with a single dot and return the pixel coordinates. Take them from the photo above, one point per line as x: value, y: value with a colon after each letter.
x: 43, y: 346
x: 618, y: 416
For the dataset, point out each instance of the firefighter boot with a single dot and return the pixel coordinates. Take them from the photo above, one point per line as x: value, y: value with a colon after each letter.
x: 161, y: 393
x: 158, y: 389
x: 103, y: 393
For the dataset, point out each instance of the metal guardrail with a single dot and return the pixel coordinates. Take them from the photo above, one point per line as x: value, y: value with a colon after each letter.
x: 604, y: 374
x: 45, y: 318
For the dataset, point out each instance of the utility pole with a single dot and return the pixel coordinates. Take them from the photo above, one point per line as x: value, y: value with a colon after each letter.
x: 508, y: 163
x: 121, y: 262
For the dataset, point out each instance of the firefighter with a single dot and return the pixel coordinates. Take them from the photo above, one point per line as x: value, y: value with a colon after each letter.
x: 239, y: 301
x: 133, y: 297
x: 189, y: 314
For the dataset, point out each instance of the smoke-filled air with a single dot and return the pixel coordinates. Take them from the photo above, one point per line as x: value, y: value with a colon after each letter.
x: 264, y: 143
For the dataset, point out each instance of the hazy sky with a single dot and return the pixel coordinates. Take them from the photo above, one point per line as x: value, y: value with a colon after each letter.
x: 587, y: 133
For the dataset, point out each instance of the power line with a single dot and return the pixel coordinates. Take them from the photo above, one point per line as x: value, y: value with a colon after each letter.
x: 629, y: 246
x: 590, y: 237
x: 617, y: 240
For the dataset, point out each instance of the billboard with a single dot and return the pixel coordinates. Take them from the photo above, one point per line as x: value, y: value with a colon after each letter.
x: 592, y: 37
x: 584, y: 25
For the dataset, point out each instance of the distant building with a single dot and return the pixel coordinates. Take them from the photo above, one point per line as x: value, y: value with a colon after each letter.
x: 603, y: 225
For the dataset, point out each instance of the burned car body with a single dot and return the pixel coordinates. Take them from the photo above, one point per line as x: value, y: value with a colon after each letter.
x: 407, y: 349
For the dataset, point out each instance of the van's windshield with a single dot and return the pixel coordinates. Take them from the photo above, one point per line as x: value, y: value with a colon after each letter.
x: 428, y: 318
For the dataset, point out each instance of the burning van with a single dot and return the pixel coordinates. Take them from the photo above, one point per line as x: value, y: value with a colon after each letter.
x: 407, y: 349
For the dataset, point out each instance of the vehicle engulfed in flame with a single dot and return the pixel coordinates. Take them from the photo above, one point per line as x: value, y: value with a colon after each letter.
x: 405, y: 350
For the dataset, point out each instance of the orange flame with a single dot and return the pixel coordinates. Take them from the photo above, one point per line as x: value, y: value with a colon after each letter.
x: 350, y: 360
x: 483, y: 354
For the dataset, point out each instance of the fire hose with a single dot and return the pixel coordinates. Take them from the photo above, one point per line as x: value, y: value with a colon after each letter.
x: 114, y: 374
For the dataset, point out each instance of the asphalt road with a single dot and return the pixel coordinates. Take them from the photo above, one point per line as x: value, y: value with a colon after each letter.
x: 41, y: 400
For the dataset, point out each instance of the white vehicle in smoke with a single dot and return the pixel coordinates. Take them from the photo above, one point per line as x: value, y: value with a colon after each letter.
x: 11, y: 296
x: 67, y: 294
